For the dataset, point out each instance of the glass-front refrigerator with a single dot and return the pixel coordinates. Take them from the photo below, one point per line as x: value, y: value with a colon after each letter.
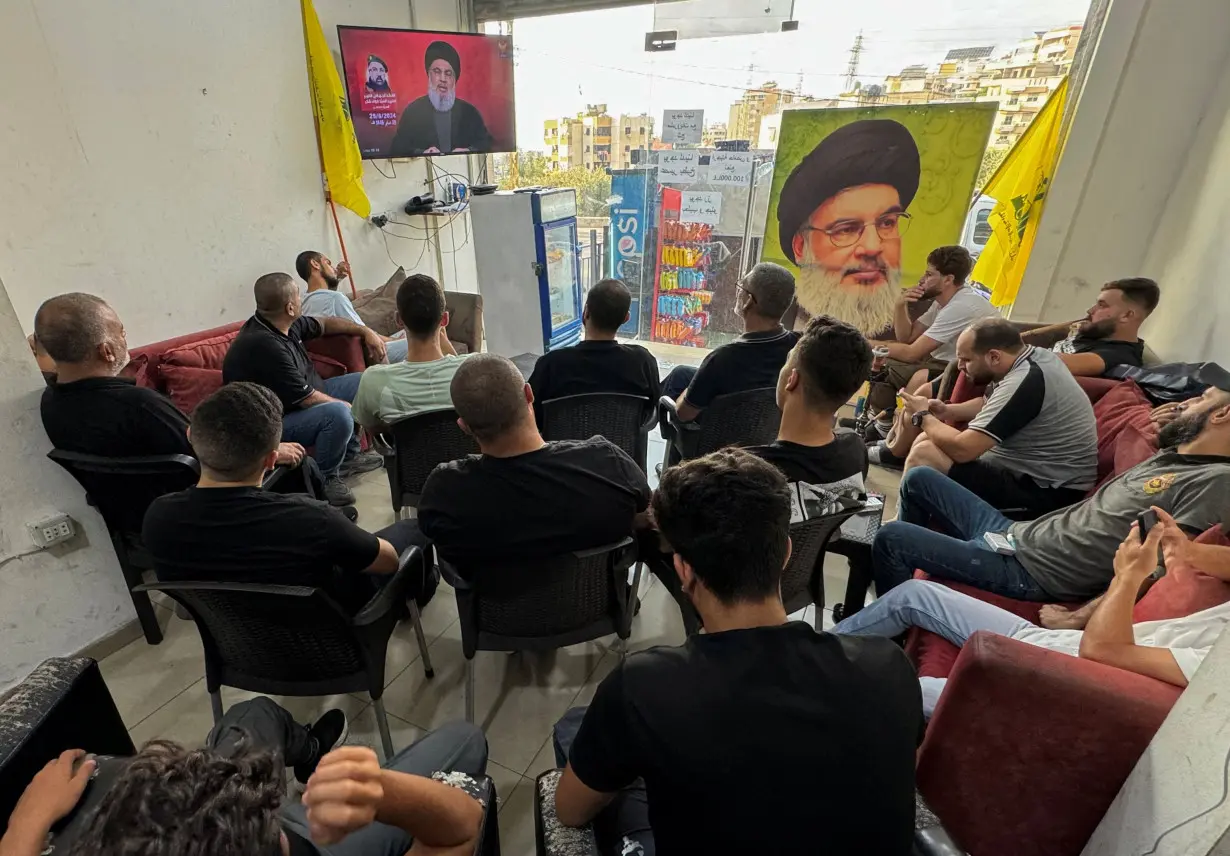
x: 528, y: 265
x: 555, y: 234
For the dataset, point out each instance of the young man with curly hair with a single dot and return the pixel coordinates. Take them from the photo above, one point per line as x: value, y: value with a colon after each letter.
x: 228, y: 799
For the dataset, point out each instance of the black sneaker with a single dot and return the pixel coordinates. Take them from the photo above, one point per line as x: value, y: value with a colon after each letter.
x: 328, y: 731
x: 364, y: 462
x: 881, y: 456
x: 350, y: 513
x: 337, y: 492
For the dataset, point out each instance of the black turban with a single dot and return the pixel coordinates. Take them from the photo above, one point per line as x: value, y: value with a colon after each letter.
x: 871, y: 151
x: 373, y: 58
x: 446, y: 52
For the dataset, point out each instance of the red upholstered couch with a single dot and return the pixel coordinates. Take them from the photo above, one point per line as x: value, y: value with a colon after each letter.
x: 1028, y: 747
x: 189, y: 367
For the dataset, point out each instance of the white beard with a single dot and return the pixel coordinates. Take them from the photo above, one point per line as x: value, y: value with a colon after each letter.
x: 821, y: 292
x: 442, y: 103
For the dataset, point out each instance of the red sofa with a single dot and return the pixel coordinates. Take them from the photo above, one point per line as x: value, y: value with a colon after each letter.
x: 188, y: 368
x: 1028, y: 747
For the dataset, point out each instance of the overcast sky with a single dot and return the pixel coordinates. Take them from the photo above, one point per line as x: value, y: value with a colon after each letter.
x: 565, y: 62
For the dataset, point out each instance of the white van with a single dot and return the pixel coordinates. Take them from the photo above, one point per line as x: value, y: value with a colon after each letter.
x: 977, y: 229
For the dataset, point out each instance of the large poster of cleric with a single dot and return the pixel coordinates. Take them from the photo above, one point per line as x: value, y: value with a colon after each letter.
x: 860, y: 196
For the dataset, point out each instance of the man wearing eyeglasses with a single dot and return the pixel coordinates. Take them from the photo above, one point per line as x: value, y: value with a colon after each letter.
x: 841, y: 216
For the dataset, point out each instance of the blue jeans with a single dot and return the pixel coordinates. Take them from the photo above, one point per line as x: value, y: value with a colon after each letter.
x: 677, y: 380
x: 328, y: 427
x: 948, y: 613
x: 396, y: 350
x: 929, y: 497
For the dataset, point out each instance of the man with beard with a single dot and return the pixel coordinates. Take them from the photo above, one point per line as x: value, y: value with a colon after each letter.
x: 1032, y: 440
x: 377, y: 74
x: 1066, y: 555
x: 841, y: 216
x: 1108, y: 335
x: 323, y: 300
x: 440, y: 122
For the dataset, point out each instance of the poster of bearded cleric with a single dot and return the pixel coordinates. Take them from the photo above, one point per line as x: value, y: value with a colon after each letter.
x: 860, y: 196
x: 414, y: 92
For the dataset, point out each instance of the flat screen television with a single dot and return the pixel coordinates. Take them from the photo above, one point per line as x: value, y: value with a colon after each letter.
x: 422, y: 92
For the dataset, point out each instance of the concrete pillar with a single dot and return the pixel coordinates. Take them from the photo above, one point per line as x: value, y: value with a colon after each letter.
x: 1181, y: 776
x: 1150, y: 93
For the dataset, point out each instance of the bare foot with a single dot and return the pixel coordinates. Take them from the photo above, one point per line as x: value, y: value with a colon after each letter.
x: 1056, y: 617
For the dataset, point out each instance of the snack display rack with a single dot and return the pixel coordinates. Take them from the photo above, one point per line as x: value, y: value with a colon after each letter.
x: 681, y: 294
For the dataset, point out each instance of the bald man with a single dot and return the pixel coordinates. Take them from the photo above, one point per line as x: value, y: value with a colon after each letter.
x: 269, y: 351
x: 522, y: 497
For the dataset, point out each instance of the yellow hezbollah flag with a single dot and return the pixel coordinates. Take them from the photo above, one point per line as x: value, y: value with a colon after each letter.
x: 1019, y: 187
x: 339, y: 153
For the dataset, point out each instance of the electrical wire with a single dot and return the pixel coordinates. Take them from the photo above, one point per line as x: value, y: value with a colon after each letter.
x: 376, y: 167
x: 1225, y: 792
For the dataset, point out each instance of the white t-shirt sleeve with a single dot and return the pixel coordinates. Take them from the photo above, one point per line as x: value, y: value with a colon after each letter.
x: 1189, y: 659
x: 928, y: 317
x: 949, y: 321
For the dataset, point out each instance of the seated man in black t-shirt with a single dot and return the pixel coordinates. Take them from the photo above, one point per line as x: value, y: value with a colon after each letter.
x: 89, y: 409
x: 823, y: 371
x: 751, y: 361
x: 759, y: 736
x: 599, y: 363
x: 228, y: 529
x: 1109, y: 334
x: 524, y: 498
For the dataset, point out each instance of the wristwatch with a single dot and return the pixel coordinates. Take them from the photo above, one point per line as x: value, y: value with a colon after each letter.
x: 917, y: 419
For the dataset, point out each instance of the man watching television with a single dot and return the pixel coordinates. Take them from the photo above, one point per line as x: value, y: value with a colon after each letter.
x: 599, y: 363
x: 323, y: 300
x: 1109, y: 334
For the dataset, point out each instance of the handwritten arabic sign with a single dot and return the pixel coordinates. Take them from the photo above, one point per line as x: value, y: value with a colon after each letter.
x: 683, y: 127
x: 730, y: 168
x: 700, y: 206
x: 678, y: 167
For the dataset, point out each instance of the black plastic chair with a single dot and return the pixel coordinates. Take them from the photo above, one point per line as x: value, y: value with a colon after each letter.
x: 420, y: 444
x: 625, y: 420
x: 296, y: 640
x: 803, y: 576
x: 545, y: 604
x: 748, y: 418
x: 122, y: 490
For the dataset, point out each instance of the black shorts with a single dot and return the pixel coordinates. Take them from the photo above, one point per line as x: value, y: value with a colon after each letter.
x: 1011, y: 491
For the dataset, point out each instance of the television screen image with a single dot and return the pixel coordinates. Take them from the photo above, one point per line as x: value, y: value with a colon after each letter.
x: 419, y: 92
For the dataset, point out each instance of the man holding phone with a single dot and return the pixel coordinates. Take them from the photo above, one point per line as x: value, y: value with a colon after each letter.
x: 1066, y: 555
x: 1169, y: 650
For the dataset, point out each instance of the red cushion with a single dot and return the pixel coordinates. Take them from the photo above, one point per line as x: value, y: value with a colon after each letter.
x: 1132, y: 447
x: 1123, y: 406
x: 1184, y: 589
x: 188, y: 386
x: 205, y: 354
x: 138, y: 369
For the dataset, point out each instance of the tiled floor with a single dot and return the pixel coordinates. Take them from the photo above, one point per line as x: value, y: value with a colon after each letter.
x: 160, y: 689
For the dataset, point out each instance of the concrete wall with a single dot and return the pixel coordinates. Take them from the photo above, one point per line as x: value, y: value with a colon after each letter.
x: 160, y: 155
x: 51, y: 602
x: 1142, y: 149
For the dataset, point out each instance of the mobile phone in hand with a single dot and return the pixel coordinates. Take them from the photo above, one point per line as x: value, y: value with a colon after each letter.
x: 1145, y: 522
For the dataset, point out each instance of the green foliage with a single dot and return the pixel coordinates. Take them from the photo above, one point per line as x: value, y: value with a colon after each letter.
x: 593, y: 186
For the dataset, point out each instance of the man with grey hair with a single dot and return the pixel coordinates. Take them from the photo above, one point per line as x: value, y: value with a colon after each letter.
x: 751, y: 361
x: 88, y: 408
x: 269, y: 351
x: 524, y: 498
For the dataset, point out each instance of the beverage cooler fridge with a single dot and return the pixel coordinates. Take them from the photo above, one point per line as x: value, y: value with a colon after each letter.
x: 528, y: 264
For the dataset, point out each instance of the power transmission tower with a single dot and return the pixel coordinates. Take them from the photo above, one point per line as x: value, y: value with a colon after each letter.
x: 852, y: 67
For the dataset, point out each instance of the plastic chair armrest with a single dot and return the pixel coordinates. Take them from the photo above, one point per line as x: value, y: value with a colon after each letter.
x: 410, y: 568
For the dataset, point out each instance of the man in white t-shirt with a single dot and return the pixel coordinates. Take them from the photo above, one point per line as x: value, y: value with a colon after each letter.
x: 420, y: 382
x: 923, y: 348
x: 1170, y: 650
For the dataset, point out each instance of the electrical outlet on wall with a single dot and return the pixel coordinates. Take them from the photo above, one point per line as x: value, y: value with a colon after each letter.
x: 52, y: 530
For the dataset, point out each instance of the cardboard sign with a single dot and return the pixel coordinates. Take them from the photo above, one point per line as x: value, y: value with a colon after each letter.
x: 701, y: 206
x: 678, y: 167
x: 730, y: 168
x: 683, y: 127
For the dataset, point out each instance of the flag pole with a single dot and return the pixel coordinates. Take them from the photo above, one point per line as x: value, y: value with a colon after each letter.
x: 320, y: 152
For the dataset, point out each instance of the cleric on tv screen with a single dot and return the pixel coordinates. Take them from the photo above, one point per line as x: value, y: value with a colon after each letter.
x: 416, y: 92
